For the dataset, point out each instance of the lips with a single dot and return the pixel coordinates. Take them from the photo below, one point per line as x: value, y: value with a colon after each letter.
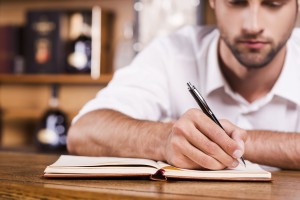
x: 253, y: 44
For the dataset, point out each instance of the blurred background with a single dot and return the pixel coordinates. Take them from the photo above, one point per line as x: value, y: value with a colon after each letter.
x: 56, y: 54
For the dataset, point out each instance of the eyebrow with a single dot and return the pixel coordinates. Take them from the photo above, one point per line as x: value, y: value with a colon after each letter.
x: 261, y: 0
x: 277, y: 0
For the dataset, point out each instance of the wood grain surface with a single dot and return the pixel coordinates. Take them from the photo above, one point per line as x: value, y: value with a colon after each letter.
x: 21, y: 178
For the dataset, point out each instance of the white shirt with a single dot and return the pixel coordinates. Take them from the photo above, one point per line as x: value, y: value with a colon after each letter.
x: 153, y: 86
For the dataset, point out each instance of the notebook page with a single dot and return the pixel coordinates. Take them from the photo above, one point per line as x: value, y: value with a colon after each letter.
x: 250, y: 171
x: 87, y: 161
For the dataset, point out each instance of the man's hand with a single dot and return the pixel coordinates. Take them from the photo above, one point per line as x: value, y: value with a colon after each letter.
x: 197, y: 142
x: 194, y: 141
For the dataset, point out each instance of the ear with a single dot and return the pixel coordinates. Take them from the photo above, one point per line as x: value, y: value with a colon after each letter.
x: 212, y: 3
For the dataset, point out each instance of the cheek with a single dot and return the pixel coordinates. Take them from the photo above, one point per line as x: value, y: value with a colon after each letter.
x: 282, y: 26
x: 229, y: 26
x: 229, y: 18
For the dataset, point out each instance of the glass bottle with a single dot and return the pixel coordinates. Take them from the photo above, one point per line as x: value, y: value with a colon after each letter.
x: 52, y: 130
x: 80, y: 47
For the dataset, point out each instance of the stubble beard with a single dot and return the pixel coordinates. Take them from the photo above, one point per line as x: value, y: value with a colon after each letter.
x: 250, y: 59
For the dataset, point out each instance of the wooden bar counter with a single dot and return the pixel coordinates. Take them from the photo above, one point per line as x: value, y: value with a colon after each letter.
x: 21, y: 178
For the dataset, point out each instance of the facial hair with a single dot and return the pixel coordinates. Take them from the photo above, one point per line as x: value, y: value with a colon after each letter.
x: 242, y: 57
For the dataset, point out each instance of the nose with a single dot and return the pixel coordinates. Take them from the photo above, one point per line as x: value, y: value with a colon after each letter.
x: 251, y: 21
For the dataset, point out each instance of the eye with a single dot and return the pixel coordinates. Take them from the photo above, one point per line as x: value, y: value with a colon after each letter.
x: 273, y: 4
x: 238, y: 2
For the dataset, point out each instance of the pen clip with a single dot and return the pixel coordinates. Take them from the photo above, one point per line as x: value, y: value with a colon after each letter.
x: 202, y: 103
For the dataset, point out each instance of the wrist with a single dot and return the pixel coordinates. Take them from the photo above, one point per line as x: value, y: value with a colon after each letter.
x: 165, y: 133
x: 248, y: 154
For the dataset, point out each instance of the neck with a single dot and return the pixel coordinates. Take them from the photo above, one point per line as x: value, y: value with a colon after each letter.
x: 251, y: 84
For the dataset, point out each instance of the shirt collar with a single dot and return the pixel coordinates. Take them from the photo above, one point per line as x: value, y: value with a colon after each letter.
x: 287, y: 85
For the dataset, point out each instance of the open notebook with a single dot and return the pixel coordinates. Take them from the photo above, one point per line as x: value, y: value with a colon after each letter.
x: 82, y: 166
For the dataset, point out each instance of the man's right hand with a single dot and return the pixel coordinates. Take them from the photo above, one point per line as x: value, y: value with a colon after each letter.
x: 195, y: 141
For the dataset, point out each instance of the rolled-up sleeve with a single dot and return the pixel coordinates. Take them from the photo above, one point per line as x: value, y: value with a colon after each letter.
x: 139, y: 90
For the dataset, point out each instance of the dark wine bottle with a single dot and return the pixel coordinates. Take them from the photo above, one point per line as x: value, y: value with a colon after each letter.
x: 80, y: 46
x: 52, y: 130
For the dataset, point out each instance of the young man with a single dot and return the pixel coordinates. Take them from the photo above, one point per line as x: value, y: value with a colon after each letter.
x: 247, y: 70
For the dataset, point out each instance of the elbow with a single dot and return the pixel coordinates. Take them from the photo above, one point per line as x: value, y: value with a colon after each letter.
x: 73, y: 141
x: 83, y: 137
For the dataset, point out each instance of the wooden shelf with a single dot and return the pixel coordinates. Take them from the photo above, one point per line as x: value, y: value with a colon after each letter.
x: 17, y: 114
x: 53, y: 78
x: 11, y: 115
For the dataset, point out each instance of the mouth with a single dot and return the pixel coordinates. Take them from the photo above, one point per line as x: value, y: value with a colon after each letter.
x: 253, y: 44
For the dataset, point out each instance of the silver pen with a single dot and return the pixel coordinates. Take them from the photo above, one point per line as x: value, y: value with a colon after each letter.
x: 205, y: 108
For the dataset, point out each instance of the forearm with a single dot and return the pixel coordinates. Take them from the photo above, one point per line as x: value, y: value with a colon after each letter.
x: 276, y: 149
x: 110, y: 133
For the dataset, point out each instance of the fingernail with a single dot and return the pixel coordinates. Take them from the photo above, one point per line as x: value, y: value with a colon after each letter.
x: 237, y: 154
x: 235, y: 163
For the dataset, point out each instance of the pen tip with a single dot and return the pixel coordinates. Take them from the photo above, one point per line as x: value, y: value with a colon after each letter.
x: 243, y: 161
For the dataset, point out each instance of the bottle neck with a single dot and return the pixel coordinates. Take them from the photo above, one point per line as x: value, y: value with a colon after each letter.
x: 53, y: 102
x: 85, y: 30
x: 79, y: 26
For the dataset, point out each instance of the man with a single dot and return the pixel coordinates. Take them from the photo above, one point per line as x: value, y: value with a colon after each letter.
x: 248, y: 71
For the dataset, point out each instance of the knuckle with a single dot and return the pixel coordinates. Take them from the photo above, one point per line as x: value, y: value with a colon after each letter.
x: 228, y: 162
x: 178, y: 127
x: 231, y: 146
x: 205, y: 162
x: 211, y: 148
x: 177, y: 161
x: 194, y: 113
x: 175, y: 143
x: 181, y: 129
x: 215, y: 153
x: 225, y: 121
x: 217, y: 166
x: 244, y: 134
x: 209, y: 163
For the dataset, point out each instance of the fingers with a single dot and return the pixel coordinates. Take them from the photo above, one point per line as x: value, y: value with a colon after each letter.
x: 196, y: 141
x: 229, y: 149
x: 184, y: 155
x: 209, y: 153
x: 238, y: 135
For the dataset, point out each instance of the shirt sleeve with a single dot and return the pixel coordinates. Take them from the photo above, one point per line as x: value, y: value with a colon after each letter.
x: 139, y: 90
